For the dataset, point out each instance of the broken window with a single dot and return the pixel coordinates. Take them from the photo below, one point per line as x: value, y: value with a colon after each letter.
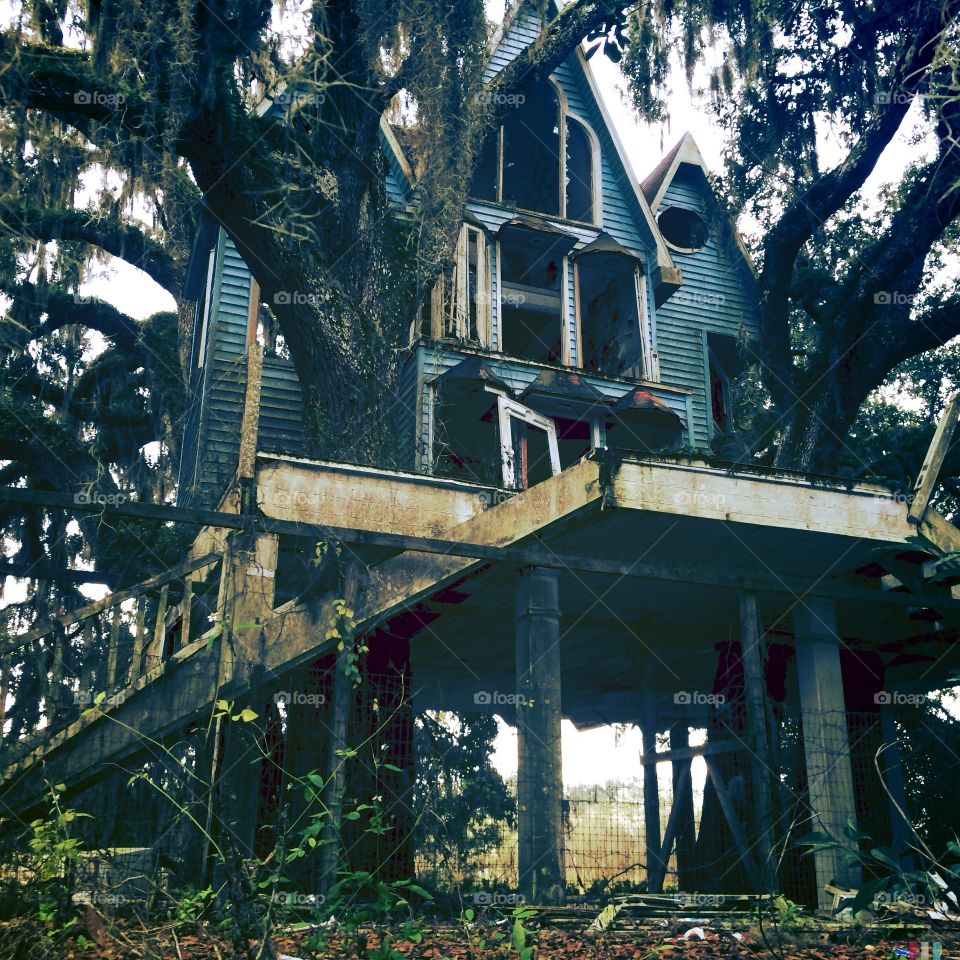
x: 528, y: 445
x: 684, y: 229
x: 459, y: 304
x: 613, y: 334
x: 268, y: 333
x: 486, y: 173
x: 531, y: 152
x: 540, y: 159
x: 719, y: 395
x: 579, y: 172
x: 532, y: 263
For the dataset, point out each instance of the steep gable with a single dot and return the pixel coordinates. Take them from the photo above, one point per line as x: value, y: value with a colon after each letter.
x: 714, y: 310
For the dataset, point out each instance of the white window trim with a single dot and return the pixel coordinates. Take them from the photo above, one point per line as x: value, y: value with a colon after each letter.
x: 506, y: 409
x: 208, y: 296
x: 651, y: 358
x: 595, y: 167
x: 565, y: 114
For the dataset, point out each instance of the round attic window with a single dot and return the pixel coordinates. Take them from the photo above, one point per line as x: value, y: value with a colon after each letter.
x: 683, y: 229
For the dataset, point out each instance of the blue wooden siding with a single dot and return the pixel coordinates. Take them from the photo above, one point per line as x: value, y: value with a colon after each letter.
x: 716, y: 297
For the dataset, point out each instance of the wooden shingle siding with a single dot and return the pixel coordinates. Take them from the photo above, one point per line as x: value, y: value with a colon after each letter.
x: 715, y: 298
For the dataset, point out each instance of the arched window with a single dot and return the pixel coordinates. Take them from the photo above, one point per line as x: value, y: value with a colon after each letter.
x: 531, y: 151
x: 579, y: 172
x: 540, y: 160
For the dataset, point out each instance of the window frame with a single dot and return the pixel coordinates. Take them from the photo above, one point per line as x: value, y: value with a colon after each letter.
x: 565, y: 319
x: 649, y: 358
x: 712, y: 362
x: 564, y: 116
x: 507, y: 409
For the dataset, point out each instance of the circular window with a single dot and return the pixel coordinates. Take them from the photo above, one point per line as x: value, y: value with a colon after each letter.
x: 683, y: 229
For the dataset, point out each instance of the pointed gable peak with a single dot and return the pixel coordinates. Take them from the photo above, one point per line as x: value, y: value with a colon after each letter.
x: 656, y: 183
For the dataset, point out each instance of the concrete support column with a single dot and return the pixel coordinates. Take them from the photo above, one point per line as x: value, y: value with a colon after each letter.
x: 246, y: 599
x: 539, y: 762
x: 825, y: 740
x: 755, y: 695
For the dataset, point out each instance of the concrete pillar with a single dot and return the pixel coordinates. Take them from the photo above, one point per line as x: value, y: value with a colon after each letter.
x: 246, y: 599
x: 539, y: 762
x: 755, y: 696
x: 825, y: 741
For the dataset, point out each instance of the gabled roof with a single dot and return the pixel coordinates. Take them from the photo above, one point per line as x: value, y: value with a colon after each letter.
x: 658, y: 181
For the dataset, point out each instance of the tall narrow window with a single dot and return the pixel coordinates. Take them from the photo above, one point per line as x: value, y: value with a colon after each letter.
x: 579, y: 173
x: 719, y: 395
x: 459, y: 305
x: 531, y: 151
x: 486, y: 173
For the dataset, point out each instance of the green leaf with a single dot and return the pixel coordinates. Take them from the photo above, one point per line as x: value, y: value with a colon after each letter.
x: 519, y: 936
x: 352, y: 815
x: 420, y: 892
x: 246, y: 715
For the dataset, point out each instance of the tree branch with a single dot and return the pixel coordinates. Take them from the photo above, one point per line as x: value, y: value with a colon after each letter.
x: 121, y: 239
x: 557, y: 40
x: 814, y: 206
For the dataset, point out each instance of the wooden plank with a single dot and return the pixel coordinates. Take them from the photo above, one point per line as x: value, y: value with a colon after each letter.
x: 155, y: 650
x: 755, y: 695
x: 113, y: 651
x: 655, y: 880
x: 930, y: 471
x: 688, y: 753
x: 730, y: 814
x: 136, y: 657
x: 186, y: 609
x: 92, y: 609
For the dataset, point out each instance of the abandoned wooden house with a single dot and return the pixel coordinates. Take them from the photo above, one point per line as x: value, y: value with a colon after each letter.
x: 555, y: 540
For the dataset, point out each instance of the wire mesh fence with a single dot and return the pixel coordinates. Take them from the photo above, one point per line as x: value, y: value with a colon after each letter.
x: 422, y: 798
